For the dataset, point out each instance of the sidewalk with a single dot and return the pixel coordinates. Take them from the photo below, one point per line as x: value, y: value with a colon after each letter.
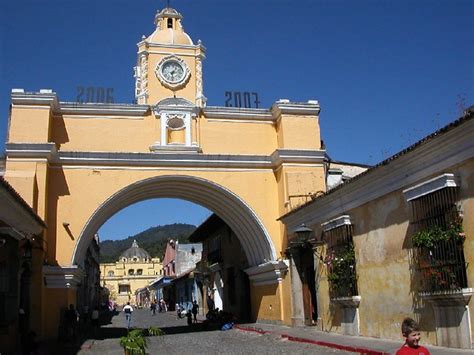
x: 362, y: 345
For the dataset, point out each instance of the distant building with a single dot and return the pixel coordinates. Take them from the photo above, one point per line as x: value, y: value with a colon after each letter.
x: 178, y: 284
x: 221, y: 274
x: 134, y: 271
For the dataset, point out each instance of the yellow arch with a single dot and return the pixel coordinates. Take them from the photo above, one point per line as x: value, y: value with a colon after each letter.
x: 253, y: 236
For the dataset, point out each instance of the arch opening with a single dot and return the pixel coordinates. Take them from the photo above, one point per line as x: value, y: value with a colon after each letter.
x: 251, y: 233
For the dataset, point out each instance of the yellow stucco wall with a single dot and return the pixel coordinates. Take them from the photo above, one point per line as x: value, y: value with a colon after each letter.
x: 29, y: 124
x: 74, y: 187
x: 266, y: 302
x: 150, y: 271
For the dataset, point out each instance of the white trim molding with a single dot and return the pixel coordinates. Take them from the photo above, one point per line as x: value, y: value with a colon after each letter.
x: 268, y: 273
x: 238, y: 113
x: 286, y: 156
x: 43, y: 98
x: 73, y: 108
x: 31, y: 150
x: 62, y: 277
x: 336, y: 222
x: 430, y: 186
x: 281, y: 107
x: 352, y: 301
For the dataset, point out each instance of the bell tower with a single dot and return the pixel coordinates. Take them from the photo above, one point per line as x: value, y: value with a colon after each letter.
x: 169, y: 64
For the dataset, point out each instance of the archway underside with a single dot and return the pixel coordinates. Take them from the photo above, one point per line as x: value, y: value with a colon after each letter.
x: 241, y: 219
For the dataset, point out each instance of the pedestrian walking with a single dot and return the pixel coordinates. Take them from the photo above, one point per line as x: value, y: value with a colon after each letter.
x: 195, y: 310
x: 189, y: 317
x: 72, y: 317
x: 95, y: 321
x: 85, y: 314
x: 128, y: 314
x: 153, y: 307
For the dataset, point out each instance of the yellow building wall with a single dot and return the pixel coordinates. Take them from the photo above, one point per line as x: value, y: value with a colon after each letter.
x: 301, y: 132
x: 151, y: 270
x: 236, y: 137
x: 29, y: 124
x: 266, y: 302
x: 106, y: 134
x: 74, y: 187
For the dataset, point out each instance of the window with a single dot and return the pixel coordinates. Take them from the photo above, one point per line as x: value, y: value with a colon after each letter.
x: 170, y: 23
x: 124, y: 288
x: 139, y: 271
x: 340, y: 257
x: 131, y: 271
x: 110, y: 273
x: 438, y: 237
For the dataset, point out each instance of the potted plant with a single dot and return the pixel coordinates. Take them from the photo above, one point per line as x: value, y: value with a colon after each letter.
x: 155, y: 331
x: 134, y: 343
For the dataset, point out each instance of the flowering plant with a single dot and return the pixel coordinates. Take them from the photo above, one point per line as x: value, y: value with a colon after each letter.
x: 341, y: 271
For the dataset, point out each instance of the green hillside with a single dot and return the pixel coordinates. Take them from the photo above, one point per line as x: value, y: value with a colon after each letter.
x: 153, y: 240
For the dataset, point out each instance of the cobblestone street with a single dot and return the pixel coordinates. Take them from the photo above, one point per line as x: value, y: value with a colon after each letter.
x: 183, y: 339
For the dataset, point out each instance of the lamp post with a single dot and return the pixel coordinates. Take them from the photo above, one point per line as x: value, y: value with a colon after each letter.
x: 303, y: 233
x: 27, y: 250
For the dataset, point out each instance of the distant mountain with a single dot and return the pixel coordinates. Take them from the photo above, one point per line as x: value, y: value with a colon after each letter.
x: 153, y: 240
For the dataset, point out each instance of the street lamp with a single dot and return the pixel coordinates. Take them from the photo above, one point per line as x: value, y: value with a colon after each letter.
x: 303, y: 233
x: 27, y: 250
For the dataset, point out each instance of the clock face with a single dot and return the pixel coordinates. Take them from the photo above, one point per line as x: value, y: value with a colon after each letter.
x: 172, y: 71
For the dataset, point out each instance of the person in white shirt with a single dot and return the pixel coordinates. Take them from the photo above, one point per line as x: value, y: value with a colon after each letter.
x: 128, y: 314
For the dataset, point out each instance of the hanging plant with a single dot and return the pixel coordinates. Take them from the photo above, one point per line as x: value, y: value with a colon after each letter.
x: 431, y: 236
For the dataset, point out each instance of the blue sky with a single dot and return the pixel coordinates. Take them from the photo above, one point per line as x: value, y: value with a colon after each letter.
x: 386, y: 73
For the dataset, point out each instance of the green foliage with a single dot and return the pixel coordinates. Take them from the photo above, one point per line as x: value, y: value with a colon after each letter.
x: 341, y: 271
x: 155, y: 331
x: 432, y: 235
x: 134, y: 342
x: 153, y: 240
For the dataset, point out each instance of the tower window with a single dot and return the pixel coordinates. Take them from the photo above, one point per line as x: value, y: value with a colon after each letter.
x: 170, y: 23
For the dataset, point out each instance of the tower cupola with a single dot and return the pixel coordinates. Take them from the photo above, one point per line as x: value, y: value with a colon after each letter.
x: 169, y: 29
x: 169, y: 64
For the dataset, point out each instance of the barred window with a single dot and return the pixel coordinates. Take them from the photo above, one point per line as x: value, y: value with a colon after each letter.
x: 435, y: 209
x: 438, y: 236
x: 340, y: 258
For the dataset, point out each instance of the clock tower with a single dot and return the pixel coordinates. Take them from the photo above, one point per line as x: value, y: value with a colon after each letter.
x: 169, y: 64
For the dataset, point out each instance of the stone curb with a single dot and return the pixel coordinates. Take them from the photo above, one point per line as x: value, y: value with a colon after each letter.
x: 354, y: 349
